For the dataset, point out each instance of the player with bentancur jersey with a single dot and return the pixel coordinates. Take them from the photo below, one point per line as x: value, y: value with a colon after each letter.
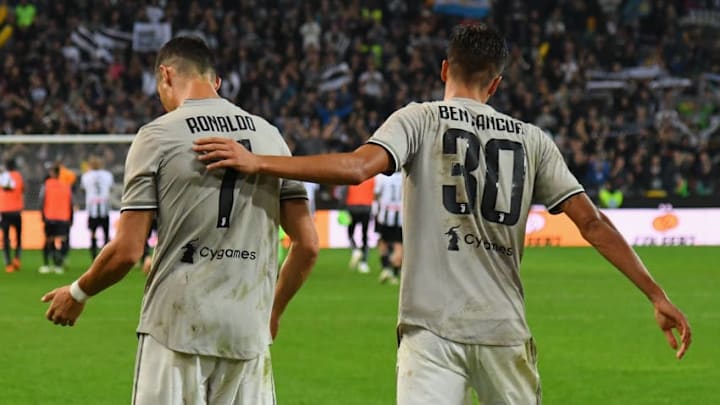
x: 471, y: 174
x: 210, y: 307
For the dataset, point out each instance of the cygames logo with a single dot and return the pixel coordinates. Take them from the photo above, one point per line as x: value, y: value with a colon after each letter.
x: 475, y: 241
x: 191, y: 248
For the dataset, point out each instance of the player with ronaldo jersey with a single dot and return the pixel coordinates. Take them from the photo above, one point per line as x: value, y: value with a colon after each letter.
x: 97, y: 183
x: 208, y: 312
x: 471, y: 175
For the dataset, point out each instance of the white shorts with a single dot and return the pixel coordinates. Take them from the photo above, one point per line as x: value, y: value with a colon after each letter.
x: 166, y: 377
x: 432, y: 370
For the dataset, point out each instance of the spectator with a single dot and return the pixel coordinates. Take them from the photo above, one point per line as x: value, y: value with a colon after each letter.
x: 598, y: 173
x: 371, y: 82
x: 610, y: 197
x: 657, y: 177
x: 706, y: 175
x: 25, y: 14
x: 600, y: 76
x: 310, y: 32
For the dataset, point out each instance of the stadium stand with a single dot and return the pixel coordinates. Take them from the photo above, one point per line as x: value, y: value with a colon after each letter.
x: 628, y: 89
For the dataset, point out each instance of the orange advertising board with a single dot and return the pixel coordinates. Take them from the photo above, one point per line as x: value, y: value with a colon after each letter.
x: 545, y: 229
x: 664, y: 226
x: 33, y: 231
x: 33, y: 235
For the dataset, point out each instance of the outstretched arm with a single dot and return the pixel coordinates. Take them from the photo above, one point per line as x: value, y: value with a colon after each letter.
x: 599, y: 231
x: 298, y: 224
x: 111, y: 265
x: 335, y: 168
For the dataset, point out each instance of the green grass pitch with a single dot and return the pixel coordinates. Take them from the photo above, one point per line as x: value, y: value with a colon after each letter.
x: 598, y: 343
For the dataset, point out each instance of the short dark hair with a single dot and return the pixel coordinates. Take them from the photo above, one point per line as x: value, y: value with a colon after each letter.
x: 10, y: 164
x: 476, y: 53
x: 54, y: 170
x: 189, y: 55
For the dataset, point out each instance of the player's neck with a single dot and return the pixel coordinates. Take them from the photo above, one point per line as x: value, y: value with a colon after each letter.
x: 453, y: 90
x: 198, y: 89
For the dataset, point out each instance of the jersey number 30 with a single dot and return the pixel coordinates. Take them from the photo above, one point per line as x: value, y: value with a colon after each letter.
x: 227, y: 191
x: 495, y: 151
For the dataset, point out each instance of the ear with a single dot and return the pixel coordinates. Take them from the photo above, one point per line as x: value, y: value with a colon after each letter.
x: 166, y: 75
x: 494, y: 86
x: 444, y: 70
x: 218, y: 83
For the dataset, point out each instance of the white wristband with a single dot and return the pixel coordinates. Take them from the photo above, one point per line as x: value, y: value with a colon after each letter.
x: 77, y: 293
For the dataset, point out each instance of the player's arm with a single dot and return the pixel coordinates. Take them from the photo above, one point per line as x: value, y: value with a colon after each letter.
x: 42, y: 201
x: 72, y: 207
x: 111, y: 265
x: 334, y: 168
x: 120, y: 254
x: 389, y: 149
x: 599, y: 231
x: 298, y: 224
x: 7, y: 181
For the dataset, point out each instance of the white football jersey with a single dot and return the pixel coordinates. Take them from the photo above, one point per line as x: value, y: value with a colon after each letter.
x: 97, y: 185
x: 388, y: 193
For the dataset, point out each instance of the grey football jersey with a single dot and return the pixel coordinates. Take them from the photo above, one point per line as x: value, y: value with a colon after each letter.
x: 471, y: 175
x: 210, y: 290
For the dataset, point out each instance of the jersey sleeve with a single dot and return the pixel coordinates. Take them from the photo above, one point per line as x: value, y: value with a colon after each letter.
x: 141, y: 168
x: 401, y: 133
x: 292, y: 189
x: 554, y: 183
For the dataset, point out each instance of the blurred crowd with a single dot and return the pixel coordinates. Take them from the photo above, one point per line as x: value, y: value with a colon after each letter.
x: 627, y: 88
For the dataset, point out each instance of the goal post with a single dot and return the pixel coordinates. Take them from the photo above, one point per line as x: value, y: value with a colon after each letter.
x: 66, y: 139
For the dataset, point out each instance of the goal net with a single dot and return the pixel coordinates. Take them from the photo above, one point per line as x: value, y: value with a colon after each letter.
x: 33, y: 155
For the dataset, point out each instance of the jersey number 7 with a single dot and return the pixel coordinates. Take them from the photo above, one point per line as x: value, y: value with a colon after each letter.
x: 227, y: 191
x: 497, y: 155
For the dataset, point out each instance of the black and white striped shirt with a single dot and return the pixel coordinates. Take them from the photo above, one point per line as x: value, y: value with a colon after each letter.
x: 388, y: 192
x: 97, y: 185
